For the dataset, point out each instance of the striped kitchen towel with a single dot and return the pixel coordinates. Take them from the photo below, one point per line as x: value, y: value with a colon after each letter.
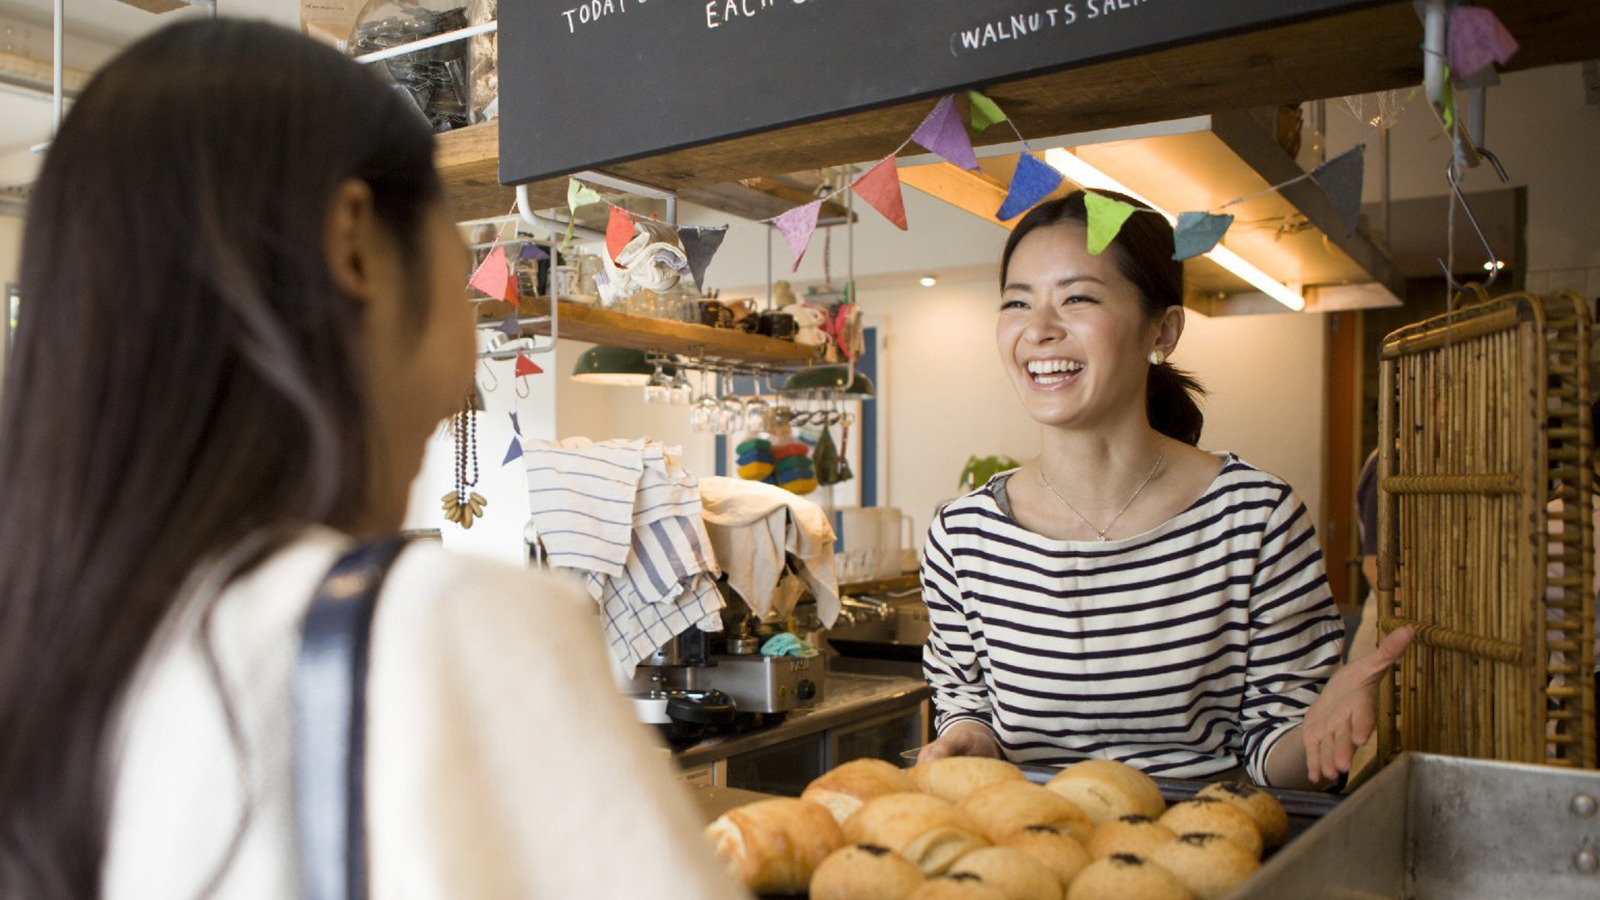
x: 581, y: 497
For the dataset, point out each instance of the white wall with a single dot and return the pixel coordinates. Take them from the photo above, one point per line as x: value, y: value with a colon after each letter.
x: 1541, y: 130
x: 949, y: 399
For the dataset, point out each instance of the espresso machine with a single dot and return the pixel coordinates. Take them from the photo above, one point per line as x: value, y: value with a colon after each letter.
x: 703, y: 681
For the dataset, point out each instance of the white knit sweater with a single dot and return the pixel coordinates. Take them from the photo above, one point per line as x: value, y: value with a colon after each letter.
x: 501, y: 761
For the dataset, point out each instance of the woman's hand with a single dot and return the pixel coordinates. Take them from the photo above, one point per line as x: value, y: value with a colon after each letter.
x: 1343, y: 717
x: 964, y: 738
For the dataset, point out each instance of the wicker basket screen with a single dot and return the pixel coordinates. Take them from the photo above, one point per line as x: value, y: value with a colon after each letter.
x: 1486, y: 532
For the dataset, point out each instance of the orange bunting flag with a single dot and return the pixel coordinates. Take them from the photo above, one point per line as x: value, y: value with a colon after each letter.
x: 526, y: 366
x: 494, y: 276
x: 881, y: 188
x: 619, y: 231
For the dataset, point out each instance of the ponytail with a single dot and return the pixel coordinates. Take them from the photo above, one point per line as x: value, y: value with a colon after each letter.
x: 1170, y: 401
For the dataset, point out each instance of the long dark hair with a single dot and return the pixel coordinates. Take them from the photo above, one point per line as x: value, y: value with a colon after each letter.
x: 186, y: 375
x: 1143, y: 251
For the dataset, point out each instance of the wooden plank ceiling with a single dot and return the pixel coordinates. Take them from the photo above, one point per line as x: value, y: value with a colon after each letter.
x: 1373, y: 49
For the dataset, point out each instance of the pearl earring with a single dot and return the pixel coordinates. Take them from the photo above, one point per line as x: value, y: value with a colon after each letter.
x: 1157, y: 357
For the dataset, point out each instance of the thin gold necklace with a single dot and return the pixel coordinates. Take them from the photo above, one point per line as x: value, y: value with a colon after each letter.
x: 1100, y: 533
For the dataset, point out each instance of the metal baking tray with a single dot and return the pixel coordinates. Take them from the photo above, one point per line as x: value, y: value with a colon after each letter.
x: 1445, y: 828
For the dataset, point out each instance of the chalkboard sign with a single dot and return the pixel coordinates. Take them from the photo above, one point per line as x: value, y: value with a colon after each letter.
x: 585, y: 83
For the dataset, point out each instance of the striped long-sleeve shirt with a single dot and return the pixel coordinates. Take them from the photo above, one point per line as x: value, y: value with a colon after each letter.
x: 1186, y: 651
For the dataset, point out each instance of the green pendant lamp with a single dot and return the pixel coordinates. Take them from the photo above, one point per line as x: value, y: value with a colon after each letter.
x: 829, y: 380
x: 615, y: 366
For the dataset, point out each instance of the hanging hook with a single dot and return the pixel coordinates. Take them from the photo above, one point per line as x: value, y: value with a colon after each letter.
x: 490, y: 381
x: 522, y: 389
x: 1458, y: 197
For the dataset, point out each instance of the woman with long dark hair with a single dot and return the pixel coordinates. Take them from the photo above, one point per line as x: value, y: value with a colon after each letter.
x: 1126, y: 595
x: 246, y: 313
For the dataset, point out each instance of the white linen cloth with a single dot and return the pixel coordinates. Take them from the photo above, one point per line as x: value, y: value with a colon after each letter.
x: 754, y: 527
x: 653, y: 261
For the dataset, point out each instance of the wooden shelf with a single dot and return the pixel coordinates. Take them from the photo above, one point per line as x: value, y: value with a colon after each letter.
x: 1370, y: 49
x: 613, y: 329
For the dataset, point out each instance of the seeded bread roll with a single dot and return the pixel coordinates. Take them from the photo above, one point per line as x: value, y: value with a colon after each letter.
x: 1136, y: 835
x: 865, y: 872
x: 924, y: 829
x: 774, y: 845
x: 1014, y: 873
x: 959, y: 887
x: 1260, y: 805
x: 1209, y: 865
x: 1059, y: 852
x: 846, y: 787
x: 1208, y: 815
x: 1006, y: 807
x: 1143, y: 797
x: 1125, y: 877
x: 951, y: 779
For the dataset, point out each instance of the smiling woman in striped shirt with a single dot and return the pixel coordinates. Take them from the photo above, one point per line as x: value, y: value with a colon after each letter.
x: 1127, y: 595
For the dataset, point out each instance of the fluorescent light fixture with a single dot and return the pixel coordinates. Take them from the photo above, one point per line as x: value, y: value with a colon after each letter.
x: 1088, y: 177
x: 928, y: 281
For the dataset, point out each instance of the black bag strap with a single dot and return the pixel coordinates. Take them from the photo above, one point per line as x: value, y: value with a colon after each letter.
x: 329, y: 691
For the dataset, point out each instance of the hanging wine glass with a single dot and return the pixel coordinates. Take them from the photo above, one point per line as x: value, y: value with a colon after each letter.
x: 658, y: 389
x: 682, y: 390
x: 703, y: 416
x: 757, y: 412
x: 731, y: 417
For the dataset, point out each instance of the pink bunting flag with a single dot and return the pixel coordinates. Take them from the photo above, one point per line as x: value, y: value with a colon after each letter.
x: 526, y: 366
x: 619, y: 231
x: 881, y: 188
x: 796, y: 226
x: 1477, y: 38
x: 942, y: 132
x: 494, y: 276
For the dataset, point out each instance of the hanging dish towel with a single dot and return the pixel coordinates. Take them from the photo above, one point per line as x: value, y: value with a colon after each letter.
x: 754, y: 527
x: 581, y: 497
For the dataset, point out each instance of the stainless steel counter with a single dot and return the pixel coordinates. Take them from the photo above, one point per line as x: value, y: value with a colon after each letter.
x: 848, y: 698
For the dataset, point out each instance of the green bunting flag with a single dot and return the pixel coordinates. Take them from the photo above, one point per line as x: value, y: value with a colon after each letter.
x: 985, y: 112
x: 1105, y: 220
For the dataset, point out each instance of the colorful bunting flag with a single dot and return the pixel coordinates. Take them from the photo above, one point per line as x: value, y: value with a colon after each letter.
x: 526, y: 366
x: 511, y: 328
x: 1033, y: 181
x: 1106, y: 217
x: 580, y: 194
x: 985, y: 112
x: 1477, y: 38
x: 942, y: 133
x: 619, y: 231
x: 493, y: 276
x: 796, y: 226
x: 1340, y: 179
x: 880, y: 187
x: 1198, y: 232
x: 699, y: 246
x: 516, y: 424
x: 532, y: 252
x: 513, y: 453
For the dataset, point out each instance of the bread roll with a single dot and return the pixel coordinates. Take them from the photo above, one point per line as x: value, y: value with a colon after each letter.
x: 846, y: 787
x: 1006, y: 807
x: 1140, y: 789
x: 951, y: 779
x: 924, y: 829
x: 1208, y: 815
x: 1100, y: 801
x: 1259, y: 805
x: 1135, y: 835
x: 865, y: 872
x: 1014, y: 873
x: 1059, y: 852
x: 1125, y: 877
x: 965, y: 887
x: 1209, y: 865
x: 773, y: 846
